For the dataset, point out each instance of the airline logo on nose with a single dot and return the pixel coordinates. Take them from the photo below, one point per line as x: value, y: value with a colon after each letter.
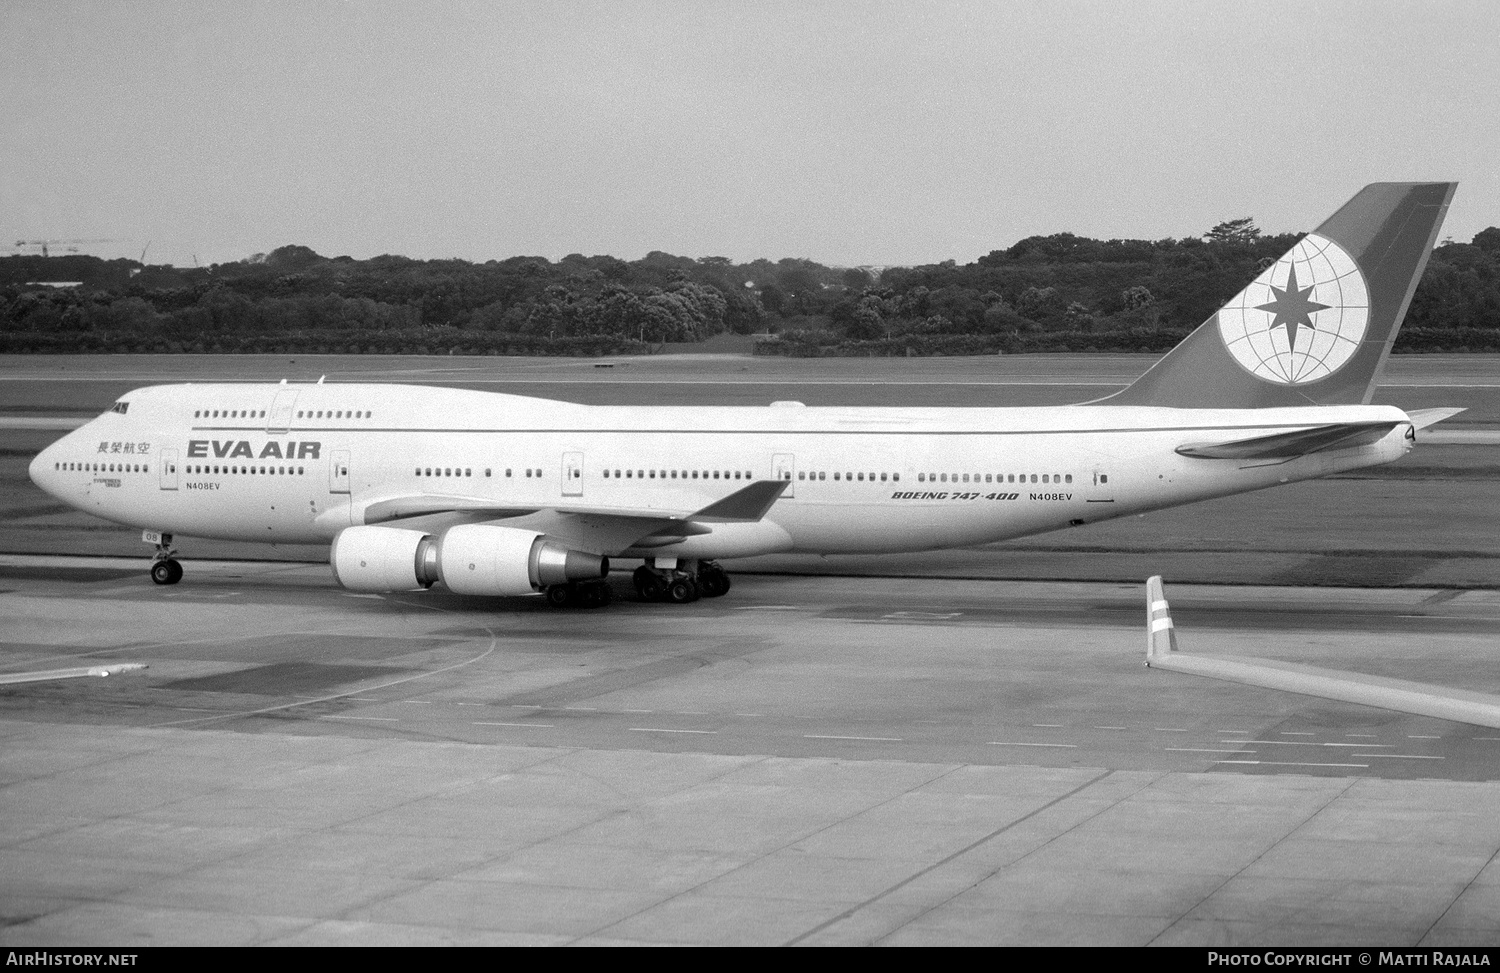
x: 1302, y: 319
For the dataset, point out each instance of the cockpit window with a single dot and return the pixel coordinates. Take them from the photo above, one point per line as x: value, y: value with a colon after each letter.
x: 120, y: 407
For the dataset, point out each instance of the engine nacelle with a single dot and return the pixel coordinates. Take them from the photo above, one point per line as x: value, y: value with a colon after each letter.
x: 471, y: 559
x: 378, y: 558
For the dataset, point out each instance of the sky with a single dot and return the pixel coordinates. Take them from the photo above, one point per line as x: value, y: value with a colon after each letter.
x: 848, y: 133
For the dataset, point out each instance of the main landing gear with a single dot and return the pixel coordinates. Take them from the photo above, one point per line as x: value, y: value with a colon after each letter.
x: 680, y: 582
x: 164, y: 566
x: 580, y: 594
x: 659, y: 579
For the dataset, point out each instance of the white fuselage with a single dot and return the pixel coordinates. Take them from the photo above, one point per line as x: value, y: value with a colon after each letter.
x: 298, y: 463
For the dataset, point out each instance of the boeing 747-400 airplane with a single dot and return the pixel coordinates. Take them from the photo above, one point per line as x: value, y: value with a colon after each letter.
x: 492, y: 494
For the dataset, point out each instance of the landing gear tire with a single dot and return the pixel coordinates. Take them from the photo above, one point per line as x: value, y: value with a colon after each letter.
x: 713, y: 581
x: 591, y: 594
x: 166, y: 572
x: 681, y: 591
x: 648, y: 584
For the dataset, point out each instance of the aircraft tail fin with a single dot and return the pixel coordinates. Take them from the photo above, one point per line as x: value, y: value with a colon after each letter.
x: 1315, y: 327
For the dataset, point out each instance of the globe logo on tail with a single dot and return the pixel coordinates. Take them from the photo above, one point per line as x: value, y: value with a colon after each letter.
x: 1302, y: 319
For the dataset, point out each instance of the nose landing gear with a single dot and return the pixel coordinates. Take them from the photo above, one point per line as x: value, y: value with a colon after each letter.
x: 165, y: 568
x: 166, y: 572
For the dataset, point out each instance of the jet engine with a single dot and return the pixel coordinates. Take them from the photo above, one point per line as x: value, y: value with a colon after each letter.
x: 471, y: 559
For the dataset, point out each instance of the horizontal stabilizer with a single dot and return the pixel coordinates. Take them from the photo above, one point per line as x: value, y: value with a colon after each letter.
x: 749, y: 503
x: 1422, y: 418
x: 1403, y: 696
x: 1289, y: 445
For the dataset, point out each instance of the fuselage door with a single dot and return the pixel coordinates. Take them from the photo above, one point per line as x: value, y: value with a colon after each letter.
x: 168, y: 460
x: 1101, y: 490
x: 572, y: 472
x: 280, y: 419
x: 784, y: 467
x: 338, y: 472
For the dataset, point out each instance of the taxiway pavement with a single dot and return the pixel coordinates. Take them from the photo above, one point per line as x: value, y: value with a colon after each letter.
x: 803, y: 761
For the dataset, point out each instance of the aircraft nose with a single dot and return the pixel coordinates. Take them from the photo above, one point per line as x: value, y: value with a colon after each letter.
x: 42, y: 470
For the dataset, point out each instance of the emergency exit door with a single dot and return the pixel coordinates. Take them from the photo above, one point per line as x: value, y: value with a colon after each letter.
x: 572, y: 473
x: 784, y: 467
x: 338, y: 472
x: 280, y: 419
x: 168, y: 460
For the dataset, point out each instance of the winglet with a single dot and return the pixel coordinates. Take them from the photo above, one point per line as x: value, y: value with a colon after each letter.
x: 1161, y: 637
x: 749, y: 503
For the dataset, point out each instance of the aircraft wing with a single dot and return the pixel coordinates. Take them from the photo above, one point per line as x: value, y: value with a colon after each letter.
x: 1290, y: 445
x: 1403, y: 696
x: 588, y: 526
x: 82, y: 672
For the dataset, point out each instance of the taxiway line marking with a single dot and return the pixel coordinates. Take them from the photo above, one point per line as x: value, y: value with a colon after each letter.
x: 283, y: 707
x: 377, y: 719
x: 1047, y: 726
x: 529, y: 726
x: 819, y: 736
x: 1168, y: 729
x: 660, y: 729
x: 1109, y: 728
x: 1012, y: 743
x: 1202, y: 750
x: 1397, y: 756
x: 1310, y: 743
x: 1289, y: 763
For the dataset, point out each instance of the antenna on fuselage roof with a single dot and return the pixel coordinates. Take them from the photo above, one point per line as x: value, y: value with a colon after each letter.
x: 283, y: 381
x: 320, y: 379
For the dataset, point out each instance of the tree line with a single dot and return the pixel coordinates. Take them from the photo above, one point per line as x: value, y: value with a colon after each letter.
x: 1045, y: 293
